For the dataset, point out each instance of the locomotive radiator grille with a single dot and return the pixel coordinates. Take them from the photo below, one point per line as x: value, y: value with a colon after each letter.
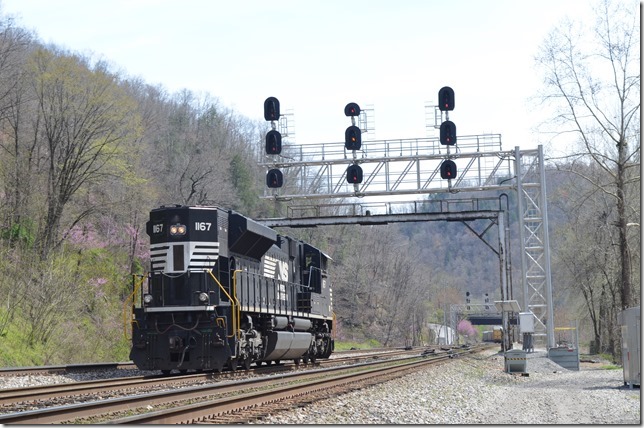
x: 158, y: 257
x: 203, y: 255
x: 200, y: 256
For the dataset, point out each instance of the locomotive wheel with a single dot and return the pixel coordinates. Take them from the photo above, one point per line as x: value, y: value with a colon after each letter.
x: 313, y: 359
x: 246, y: 363
x: 232, y: 364
x: 297, y: 362
x: 183, y: 371
x: 305, y: 358
x: 166, y: 372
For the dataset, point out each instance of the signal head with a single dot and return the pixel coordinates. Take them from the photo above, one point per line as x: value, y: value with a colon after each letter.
x: 448, y: 170
x: 271, y: 109
x: 354, y: 174
x: 446, y: 99
x: 448, y: 133
x: 352, y: 138
x: 273, y: 142
x: 274, y: 178
x: 352, y: 109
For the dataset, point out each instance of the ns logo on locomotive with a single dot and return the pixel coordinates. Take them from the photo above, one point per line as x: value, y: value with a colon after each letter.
x: 224, y: 290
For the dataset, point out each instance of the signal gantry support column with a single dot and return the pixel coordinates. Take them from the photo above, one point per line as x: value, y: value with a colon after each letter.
x: 535, y: 242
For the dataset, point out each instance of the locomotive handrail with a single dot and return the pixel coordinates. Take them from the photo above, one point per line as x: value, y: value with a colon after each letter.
x: 311, y: 269
x: 136, y: 287
x: 237, y: 302
x: 233, y: 302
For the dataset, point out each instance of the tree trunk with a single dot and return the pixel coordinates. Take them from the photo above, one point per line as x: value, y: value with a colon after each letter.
x: 625, y: 259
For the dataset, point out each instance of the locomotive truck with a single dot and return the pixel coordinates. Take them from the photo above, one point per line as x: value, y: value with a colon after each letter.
x: 224, y: 290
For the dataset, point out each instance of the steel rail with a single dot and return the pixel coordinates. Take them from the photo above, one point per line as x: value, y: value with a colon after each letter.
x: 41, y: 392
x: 60, y: 414
x: 32, y: 370
x: 201, y: 412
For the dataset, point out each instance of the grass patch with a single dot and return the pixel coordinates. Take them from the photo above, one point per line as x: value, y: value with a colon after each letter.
x: 13, y: 350
x: 610, y: 367
x: 346, y: 346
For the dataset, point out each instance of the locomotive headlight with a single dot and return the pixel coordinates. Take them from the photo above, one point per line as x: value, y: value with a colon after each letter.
x: 177, y: 229
x: 147, y: 299
x: 203, y: 297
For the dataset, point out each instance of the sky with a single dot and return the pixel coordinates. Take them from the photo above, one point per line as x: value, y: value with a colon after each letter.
x: 317, y: 56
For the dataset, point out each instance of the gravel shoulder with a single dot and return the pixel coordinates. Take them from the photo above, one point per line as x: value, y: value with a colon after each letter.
x: 476, y: 390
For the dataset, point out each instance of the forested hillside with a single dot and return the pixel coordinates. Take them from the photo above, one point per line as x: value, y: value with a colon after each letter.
x: 87, y: 152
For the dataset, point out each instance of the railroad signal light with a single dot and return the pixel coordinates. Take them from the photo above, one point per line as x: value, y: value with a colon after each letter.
x: 354, y: 174
x: 273, y: 142
x: 271, y: 109
x: 448, y: 133
x: 352, y: 138
x: 352, y: 109
x: 448, y: 169
x: 274, y: 178
x: 446, y: 99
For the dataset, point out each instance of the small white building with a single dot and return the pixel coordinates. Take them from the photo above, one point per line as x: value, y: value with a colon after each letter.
x: 442, y: 334
x: 630, y: 320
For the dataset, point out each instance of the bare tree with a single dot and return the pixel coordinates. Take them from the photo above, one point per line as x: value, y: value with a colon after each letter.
x: 84, y: 119
x: 593, y: 80
x: 587, y: 252
x: 17, y: 152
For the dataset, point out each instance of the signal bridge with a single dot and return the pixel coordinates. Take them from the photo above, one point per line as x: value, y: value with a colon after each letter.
x: 477, y: 314
x: 389, y: 168
x: 400, y: 167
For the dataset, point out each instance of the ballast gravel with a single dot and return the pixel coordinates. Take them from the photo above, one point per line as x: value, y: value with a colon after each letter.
x: 468, y: 390
x: 10, y: 382
x: 476, y: 390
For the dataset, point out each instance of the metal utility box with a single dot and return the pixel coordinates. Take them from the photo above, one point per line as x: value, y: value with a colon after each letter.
x: 515, y: 361
x: 566, y: 356
x: 526, y: 327
x: 526, y: 322
x: 631, y: 320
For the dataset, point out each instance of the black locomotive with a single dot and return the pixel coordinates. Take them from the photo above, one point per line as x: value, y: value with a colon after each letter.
x: 226, y: 290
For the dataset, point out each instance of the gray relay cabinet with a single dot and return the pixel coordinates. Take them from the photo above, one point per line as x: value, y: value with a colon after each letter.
x: 631, y: 320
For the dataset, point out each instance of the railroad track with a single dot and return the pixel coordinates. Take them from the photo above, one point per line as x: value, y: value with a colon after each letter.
x: 11, y: 398
x: 129, y: 365
x: 224, y: 400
